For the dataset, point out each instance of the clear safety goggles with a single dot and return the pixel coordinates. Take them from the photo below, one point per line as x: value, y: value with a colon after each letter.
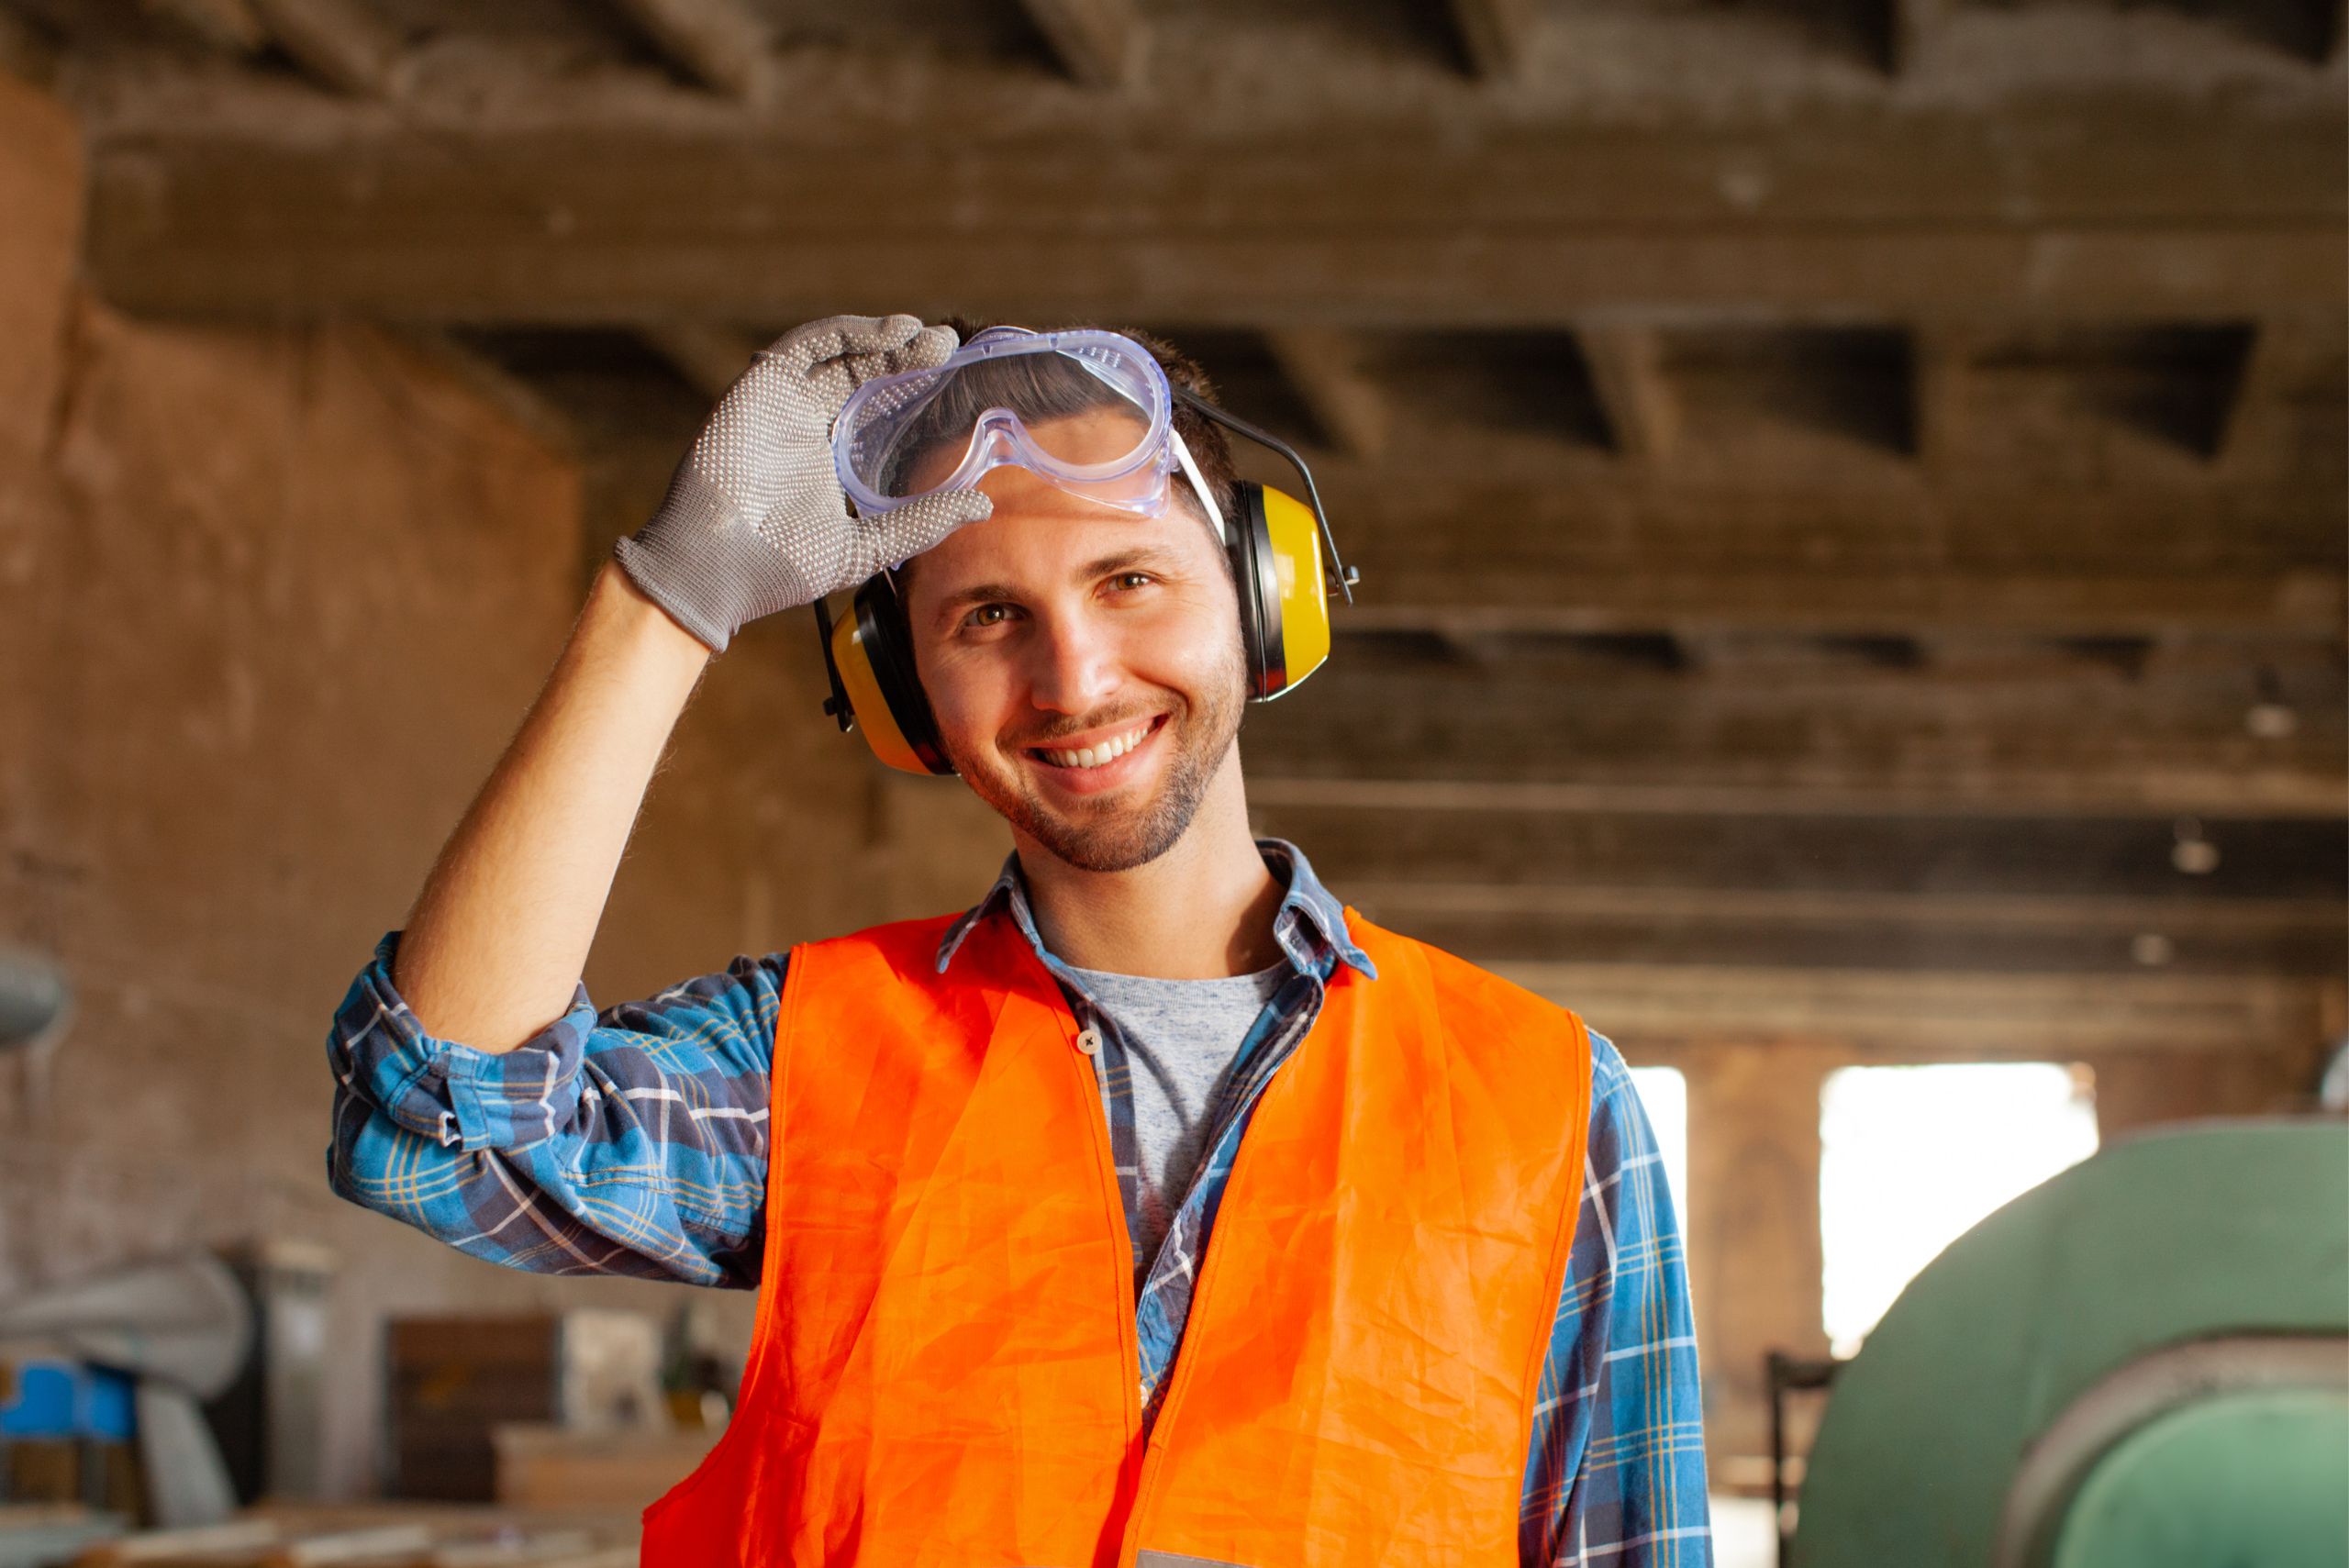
x: 1090, y: 412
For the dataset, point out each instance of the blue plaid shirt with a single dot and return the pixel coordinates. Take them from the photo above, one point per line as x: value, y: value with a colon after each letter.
x: 635, y: 1142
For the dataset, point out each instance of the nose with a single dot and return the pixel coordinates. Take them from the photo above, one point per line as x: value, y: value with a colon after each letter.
x: 1074, y: 665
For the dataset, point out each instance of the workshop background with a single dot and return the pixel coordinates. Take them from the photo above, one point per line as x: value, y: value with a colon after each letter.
x: 1850, y: 496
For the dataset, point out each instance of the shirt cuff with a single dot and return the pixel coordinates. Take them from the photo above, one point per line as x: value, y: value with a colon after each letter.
x: 449, y: 1092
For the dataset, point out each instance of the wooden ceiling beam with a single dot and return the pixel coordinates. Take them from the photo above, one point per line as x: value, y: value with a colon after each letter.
x: 1465, y: 605
x: 2288, y: 358
x: 1493, y: 35
x: 1870, y: 216
x: 1600, y: 730
x: 1941, y: 383
x: 2017, y: 793
x: 1098, y: 42
x: 1627, y: 370
x: 2078, y: 930
x: 1323, y: 366
x: 231, y: 27
x: 1911, y: 28
x: 560, y: 277
x: 1908, y: 1015
x: 721, y: 44
x: 341, y: 44
x: 2074, y: 912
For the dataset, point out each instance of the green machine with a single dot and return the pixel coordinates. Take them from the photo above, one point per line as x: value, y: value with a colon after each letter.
x: 2143, y: 1362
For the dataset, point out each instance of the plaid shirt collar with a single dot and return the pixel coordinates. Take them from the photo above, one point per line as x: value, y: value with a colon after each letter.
x: 1310, y: 926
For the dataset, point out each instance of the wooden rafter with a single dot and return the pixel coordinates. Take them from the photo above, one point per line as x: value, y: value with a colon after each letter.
x: 721, y: 44
x: 1323, y: 366
x: 1098, y: 42
x: 1625, y: 365
x: 341, y: 44
x: 1493, y: 35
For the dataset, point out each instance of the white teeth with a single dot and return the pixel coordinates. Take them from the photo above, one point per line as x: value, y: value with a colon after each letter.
x: 1094, y: 756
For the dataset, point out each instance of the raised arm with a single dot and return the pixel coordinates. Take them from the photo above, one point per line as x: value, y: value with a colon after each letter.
x: 755, y: 522
x: 497, y: 940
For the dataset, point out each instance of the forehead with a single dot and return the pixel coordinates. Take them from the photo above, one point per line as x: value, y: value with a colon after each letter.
x: 1042, y: 537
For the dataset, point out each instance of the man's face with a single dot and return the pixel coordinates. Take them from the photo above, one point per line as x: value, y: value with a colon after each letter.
x: 1083, y: 663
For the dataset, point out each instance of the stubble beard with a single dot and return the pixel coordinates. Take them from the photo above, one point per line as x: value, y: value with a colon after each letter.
x: 1107, y: 835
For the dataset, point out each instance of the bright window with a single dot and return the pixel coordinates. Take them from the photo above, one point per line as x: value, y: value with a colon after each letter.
x: 1664, y: 1094
x: 1912, y: 1157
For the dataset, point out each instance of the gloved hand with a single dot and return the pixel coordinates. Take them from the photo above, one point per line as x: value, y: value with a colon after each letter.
x: 755, y: 521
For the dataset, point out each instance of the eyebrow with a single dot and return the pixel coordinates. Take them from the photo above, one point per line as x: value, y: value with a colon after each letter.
x: 1154, y: 556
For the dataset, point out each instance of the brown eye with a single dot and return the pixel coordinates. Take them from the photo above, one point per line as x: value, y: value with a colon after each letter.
x: 990, y: 614
x: 1134, y: 580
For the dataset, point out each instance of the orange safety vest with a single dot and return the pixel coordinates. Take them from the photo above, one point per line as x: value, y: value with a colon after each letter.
x: 945, y: 1370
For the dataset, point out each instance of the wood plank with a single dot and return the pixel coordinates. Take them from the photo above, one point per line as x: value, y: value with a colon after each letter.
x: 1099, y: 42
x: 1917, y: 1014
x: 1461, y: 604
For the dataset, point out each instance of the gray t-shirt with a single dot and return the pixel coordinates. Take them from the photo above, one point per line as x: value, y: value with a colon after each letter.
x: 1181, y: 1036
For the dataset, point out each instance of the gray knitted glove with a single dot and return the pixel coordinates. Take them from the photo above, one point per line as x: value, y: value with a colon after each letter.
x: 755, y: 521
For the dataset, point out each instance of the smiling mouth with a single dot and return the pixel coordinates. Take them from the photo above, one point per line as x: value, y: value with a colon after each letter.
x: 1099, y: 754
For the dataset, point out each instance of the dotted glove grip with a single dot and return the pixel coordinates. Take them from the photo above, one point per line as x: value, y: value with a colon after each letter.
x: 754, y: 521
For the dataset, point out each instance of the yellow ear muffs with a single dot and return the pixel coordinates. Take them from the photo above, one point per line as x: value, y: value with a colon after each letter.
x: 874, y: 684
x: 1284, y: 606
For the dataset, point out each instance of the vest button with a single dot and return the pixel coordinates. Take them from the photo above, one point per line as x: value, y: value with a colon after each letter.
x: 1089, y: 1042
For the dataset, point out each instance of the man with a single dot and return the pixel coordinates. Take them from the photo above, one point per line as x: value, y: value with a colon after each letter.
x: 1155, y: 1210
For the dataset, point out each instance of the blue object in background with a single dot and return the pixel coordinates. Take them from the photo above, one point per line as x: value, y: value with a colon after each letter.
x: 66, y: 1399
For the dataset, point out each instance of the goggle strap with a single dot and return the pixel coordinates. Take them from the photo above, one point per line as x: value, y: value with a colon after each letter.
x: 1199, y: 485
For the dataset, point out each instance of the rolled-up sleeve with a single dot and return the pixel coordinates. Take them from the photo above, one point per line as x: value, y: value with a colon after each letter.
x: 630, y: 1143
x: 1616, y: 1474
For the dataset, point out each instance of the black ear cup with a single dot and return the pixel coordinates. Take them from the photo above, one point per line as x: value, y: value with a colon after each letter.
x: 1283, y: 598
x: 1254, y: 574
x: 872, y: 661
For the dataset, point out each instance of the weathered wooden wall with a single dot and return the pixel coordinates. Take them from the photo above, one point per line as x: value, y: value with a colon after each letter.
x: 271, y: 600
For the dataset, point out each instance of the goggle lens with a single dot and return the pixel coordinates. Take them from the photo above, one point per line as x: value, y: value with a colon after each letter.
x: 1087, y: 411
